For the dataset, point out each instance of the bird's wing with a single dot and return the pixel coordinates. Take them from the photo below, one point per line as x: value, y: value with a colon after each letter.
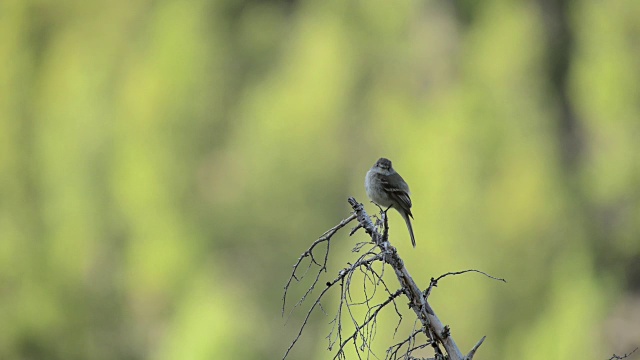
x: 401, y: 196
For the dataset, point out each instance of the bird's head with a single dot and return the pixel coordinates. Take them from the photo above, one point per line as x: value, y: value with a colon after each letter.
x: 383, y: 163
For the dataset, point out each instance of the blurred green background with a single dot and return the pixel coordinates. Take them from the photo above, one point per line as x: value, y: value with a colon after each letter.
x: 164, y: 163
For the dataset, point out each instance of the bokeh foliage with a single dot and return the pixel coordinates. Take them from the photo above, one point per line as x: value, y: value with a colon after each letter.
x: 163, y: 164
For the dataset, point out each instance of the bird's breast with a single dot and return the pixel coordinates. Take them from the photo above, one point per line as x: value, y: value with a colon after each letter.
x: 375, y: 190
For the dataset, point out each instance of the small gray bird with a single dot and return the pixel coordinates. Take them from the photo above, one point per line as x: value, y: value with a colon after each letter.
x: 387, y: 188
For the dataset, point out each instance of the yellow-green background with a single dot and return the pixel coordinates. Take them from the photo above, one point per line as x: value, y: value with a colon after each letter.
x: 164, y: 163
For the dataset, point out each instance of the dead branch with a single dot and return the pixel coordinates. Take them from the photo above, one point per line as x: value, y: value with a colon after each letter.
x: 618, y: 357
x: 383, y: 253
x: 434, y: 282
x: 309, y: 253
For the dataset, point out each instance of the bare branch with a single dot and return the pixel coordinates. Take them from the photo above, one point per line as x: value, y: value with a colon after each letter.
x: 341, y: 275
x: 393, y: 351
x: 434, y: 282
x: 369, y: 318
x: 466, y: 271
x: 417, y: 300
x: 474, y: 349
x: 616, y: 357
x: 438, y: 335
x: 309, y: 253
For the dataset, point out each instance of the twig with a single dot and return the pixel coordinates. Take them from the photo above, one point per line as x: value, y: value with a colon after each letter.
x: 473, y: 350
x: 434, y: 282
x: 369, y: 318
x: 392, y: 352
x: 309, y: 253
x: 616, y: 357
x: 466, y: 271
x: 342, y: 274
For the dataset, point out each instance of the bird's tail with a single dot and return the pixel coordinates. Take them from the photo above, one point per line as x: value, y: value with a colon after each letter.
x: 408, y: 221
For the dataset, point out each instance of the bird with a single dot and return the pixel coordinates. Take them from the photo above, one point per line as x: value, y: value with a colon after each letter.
x: 387, y: 188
